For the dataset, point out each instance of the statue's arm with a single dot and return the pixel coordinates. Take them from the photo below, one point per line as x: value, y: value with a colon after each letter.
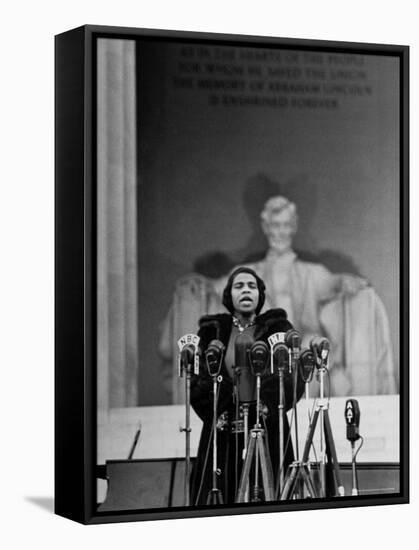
x: 331, y: 285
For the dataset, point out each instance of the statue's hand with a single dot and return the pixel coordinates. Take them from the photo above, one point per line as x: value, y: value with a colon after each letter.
x: 352, y: 284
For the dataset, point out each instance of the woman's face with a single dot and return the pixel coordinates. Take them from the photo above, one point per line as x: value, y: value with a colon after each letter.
x: 245, y: 294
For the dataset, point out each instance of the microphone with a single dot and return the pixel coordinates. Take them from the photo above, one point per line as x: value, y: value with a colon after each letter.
x: 281, y: 357
x: 352, y: 417
x: 188, y: 356
x: 258, y: 355
x: 279, y: 350
x: 211, y: 323
x: 246, y: 383
x: 214, y: 356
x: 307, y: 363
x: 293, y: 341
x: 320, y: 347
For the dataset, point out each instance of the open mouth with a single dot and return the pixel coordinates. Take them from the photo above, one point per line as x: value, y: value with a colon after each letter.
x: 246, y: 301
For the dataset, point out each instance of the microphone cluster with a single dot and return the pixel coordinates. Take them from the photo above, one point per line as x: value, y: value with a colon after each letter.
x: 286, y: 353
x: 252, y: 357
x: 286, y: 348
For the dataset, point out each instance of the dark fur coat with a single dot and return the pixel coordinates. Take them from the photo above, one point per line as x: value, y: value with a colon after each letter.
x: 230, y: 446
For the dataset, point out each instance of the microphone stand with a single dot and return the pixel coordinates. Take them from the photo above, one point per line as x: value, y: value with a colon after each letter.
x: 244, y: 390
x: 354, y: 475
x: 245, y: 408
x: 277, y: 344
x: 187, y: 430
x: 326, y: 436
x: 293, y: 358
x: 352, y: 416
x: 294, y: 371
x: 186, y: 367
x: 281, y: 355
x: 322, y: 370
x: 215, y: 496
x: 301, y: 469
x: 213, y: 357
x: 307, y: 363
x: 281, y: 412
x: 257, y: 426
x: 257, y: 449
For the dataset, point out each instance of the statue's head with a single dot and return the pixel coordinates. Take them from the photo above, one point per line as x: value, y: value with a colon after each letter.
x: 279, y: 223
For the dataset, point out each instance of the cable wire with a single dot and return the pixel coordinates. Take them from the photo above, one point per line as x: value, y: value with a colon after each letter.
x: 359, y: 448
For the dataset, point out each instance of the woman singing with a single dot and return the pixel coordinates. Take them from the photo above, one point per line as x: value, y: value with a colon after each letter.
x: 243, y: 296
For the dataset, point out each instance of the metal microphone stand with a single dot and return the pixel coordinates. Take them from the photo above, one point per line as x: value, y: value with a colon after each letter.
x: 213, y: 357
x: 215, y: 496
x: 186, y: 364
x: 279, y: 351
x: 257, y: 451
x: 293, y: 340
x: 354, y: 474
x: 187, y: 430
x: 245, y: 408
x: 352, y: 417
x: 301, y: 469
x: 281, y: 412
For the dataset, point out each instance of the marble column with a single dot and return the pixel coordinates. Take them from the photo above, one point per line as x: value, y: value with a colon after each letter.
x: 117, y: 262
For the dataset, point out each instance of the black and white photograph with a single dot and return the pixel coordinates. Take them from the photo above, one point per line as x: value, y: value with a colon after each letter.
x: 248, y: 271
x: 209, y: 268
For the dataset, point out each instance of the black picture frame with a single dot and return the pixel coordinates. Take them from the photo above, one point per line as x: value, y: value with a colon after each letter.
x: 75, y: 274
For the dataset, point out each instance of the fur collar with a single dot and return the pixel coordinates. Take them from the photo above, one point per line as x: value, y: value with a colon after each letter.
x: 219, y: 325
x: 225, y: 318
